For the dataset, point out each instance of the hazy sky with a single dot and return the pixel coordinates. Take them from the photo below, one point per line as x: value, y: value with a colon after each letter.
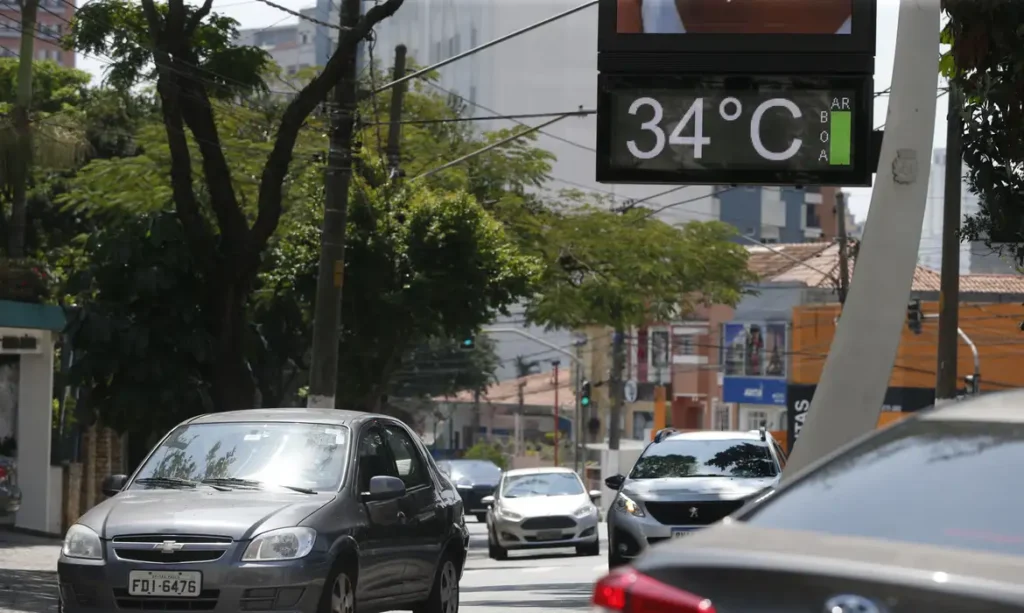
x: 255, y: 14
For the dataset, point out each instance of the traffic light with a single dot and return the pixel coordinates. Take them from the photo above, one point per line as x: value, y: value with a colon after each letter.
x: 914, y: 316
x: 467, y: 343
x: 585, y: 394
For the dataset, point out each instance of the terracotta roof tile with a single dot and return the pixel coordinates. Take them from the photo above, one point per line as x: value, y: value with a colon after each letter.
x: 538, y: 391
x: 768, y: 261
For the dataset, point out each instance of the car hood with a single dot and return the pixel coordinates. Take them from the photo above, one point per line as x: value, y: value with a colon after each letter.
x: 537, y: 506
x: 237, y: 514
x: 690, y: 488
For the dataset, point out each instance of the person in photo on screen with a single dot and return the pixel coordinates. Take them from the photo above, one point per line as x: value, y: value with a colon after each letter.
x: 734, y: 16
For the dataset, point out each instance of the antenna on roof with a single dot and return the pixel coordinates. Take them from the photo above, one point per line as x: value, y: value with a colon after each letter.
x: 764, y: 433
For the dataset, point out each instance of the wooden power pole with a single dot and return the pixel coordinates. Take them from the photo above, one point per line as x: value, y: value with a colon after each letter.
x: 949, y: 282
x: 844, y: 247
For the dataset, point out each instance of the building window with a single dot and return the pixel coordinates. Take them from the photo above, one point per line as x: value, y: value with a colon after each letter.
x: 685, y: 344
x: 813, y: 219
x: 769, y: 241
x: 756, y: 419
x: 659, y: 349
x: 304, y: 38
x: 721, y: 417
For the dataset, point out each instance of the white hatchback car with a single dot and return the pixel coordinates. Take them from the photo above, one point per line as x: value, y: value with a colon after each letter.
x: 542, y: 508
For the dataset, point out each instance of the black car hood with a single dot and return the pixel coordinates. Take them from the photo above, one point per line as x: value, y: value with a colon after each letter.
x: 238, y: 514
x: 692, y: 488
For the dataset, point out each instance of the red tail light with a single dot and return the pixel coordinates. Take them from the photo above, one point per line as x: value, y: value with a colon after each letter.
x: 3, y: 473
x: 628, y: 591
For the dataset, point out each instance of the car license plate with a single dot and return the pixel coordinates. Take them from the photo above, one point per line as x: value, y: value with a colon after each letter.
x: 175, y: 584
x: 549, y: 535
x: 681, y: 532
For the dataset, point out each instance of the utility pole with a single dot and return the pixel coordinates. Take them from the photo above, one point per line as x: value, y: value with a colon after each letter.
x: 949, y: 282
x: 578, y: 460
x: 22, y: 130
x: 395, y: 117
x: 323, y: 372
x: 844, y: 249
x: 476, y: 418
x: 555, y: 363
x: 615, y: 383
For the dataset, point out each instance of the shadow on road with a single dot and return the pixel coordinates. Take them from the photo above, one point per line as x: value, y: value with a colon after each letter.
x: 541, y: 596
x: 28, y: 591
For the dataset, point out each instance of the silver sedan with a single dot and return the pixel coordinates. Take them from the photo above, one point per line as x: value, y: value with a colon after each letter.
x: 542, y: 508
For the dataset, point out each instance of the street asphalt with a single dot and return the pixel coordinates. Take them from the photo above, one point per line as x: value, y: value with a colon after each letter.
x: 552, y: 580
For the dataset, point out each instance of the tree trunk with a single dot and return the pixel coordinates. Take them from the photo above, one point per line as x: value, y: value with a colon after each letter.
x: 615, y: 383
x: 23, y: 130
x: 233, y: 384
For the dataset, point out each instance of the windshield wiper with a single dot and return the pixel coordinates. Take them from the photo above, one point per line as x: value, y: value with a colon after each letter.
x: 253, y: 484
x: 166, y: 482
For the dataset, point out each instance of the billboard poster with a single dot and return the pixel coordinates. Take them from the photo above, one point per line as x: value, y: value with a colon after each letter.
x: 771, y: 26
x: 754, y: 350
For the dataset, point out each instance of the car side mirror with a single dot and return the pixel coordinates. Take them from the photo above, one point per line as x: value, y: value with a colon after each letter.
x: 384, y: 487
x: 615, y: 482
x: 595, y: 495
x: 487, y: 500
x: 113, y: 484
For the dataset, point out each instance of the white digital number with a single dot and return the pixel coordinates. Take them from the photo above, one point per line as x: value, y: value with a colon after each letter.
x: 698, y: 140
x: 651, y: 126
x: 694, y: 113
x: 755, y: 130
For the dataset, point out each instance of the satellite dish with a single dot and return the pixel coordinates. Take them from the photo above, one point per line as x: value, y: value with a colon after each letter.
x: 629, y: 391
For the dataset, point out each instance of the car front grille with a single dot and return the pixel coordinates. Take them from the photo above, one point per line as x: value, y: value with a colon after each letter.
x: 692, y: 513
x: 206, y: 601
x: 549, y: 523
x: 150, y: 548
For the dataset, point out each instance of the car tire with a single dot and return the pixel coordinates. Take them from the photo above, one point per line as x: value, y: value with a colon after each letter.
x: 444, y: 594
x: 593, y: 549
x: 339, y: 594
x: 494, y: 550
x: 481, y: 517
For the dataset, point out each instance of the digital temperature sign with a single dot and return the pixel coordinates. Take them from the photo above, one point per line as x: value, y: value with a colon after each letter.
x: 755, y: 130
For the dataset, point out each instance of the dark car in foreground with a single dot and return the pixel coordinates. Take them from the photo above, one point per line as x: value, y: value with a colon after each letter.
x: 475, y: 480
x: 920, y: 516
x: 684, y: 481
x: 275, y: 509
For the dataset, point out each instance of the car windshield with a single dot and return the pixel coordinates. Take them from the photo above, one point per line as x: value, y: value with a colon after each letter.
x: 541, y: 484
x: 293, y: 455
x: 670, y: 459
x: 950, y: 484
x: 475, y: 471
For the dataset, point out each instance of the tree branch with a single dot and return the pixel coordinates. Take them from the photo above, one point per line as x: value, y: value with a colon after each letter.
x: 197, y: 18
x: 276, y: 168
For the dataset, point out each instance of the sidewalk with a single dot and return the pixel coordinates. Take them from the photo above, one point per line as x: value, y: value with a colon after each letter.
x: 28, y: 573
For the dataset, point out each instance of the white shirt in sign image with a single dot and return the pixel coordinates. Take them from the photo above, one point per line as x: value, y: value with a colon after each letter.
x: 662, y: 17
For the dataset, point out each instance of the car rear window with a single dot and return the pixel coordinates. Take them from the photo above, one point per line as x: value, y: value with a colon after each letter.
x: 946, y: 483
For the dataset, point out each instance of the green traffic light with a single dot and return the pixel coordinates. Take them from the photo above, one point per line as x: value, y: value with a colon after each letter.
x: 585, y: 401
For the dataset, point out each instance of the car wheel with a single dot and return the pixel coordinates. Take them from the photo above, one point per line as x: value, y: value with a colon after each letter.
x: 614, y: 559
x: 481, y: 517
x: 339, y: 594
x: 494, y: 550
x: 593, y: 549
x: 444, y: 596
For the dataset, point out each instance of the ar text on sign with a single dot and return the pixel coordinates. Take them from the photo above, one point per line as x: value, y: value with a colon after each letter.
x: 837, y: 138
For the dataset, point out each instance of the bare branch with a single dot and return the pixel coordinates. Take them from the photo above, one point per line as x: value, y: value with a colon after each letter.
x: 295, y: 115
x: 197, y: 18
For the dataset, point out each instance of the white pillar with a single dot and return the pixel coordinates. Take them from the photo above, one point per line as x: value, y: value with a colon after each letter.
x: 849, y: 396
x: 35, y: 419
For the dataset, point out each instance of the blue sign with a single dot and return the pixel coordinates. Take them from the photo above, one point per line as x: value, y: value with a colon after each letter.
x: 754, y: 390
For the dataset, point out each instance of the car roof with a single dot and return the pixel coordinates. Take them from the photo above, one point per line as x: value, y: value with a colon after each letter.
x: 540, y: 470
x: 1005, y: 406
x: 715, y: 435
x: 327, y: 417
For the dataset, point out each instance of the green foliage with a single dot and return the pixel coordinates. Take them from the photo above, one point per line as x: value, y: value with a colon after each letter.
x: 603, y: 268
x: 55, y: 88
x: 440, y: 367
x: 119, y: 30
x: 987, y: 65
x: 487, y: 451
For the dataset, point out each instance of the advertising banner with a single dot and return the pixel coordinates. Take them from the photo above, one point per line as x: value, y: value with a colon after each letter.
x: 897, y: 400
x: 754, y: 350
x: 754, y: 390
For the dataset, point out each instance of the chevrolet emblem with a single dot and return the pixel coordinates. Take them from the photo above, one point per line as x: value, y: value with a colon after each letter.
x: 168, y: 547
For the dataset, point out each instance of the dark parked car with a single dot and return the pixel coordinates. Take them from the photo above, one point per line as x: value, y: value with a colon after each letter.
x: 276, y: 509
x: 475, y: 480
x: 920, y: 516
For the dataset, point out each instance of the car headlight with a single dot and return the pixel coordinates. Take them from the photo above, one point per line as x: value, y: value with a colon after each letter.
x: 509, y: 515
x: 585, y: 510
x: 83, y: 543
x: 625, y: 503
x: 283, y: 544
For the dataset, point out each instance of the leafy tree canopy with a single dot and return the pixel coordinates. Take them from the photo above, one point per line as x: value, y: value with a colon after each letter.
x: 987, y: 65
x: 622, y: 270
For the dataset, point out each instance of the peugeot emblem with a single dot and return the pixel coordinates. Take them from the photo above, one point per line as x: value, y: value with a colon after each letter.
x: 693, y: 512
x: 168, y: 547
x: 849, y: 603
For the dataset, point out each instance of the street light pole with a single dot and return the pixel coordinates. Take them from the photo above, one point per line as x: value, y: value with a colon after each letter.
x: 555, y: 363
